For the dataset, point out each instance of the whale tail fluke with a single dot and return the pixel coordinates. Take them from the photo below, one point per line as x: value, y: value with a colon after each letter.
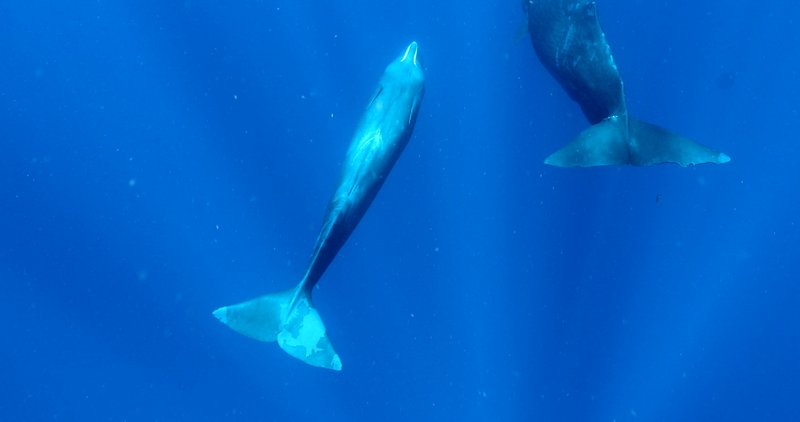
x: 602, y: 144
x: 651, y: 144
x: 290, y: 319
x: 619, y: 140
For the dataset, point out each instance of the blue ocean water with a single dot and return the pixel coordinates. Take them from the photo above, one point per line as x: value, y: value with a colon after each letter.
x: 162, y: 159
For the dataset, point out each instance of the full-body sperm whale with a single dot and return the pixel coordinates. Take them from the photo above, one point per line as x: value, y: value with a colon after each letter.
x: 290, y: 317
x: 569, y: 42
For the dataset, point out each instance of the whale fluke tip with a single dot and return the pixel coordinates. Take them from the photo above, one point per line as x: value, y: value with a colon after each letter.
x: 336, y: 363
x: 222, y: 314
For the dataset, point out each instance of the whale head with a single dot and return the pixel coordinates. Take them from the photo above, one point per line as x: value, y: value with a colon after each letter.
x: 400, y: 89
x: 406, y: 71
x: 411, y: 53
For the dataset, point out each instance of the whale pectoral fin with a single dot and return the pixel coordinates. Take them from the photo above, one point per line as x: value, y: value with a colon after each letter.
x: 412, y: 112
x: 602, y: 144
x: 651, y: 144
x: 375, y: 95
x: 297, y: 327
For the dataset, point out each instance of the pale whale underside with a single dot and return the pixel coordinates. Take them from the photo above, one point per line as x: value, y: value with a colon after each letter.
x: 569, y: 42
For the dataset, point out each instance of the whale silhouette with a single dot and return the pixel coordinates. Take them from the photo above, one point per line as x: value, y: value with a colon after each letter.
x: 290, y: 317
x: 569, y: 42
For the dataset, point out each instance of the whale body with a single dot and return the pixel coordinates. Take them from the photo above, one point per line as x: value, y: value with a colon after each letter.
x: 569, y: 42
x: 289, y: 317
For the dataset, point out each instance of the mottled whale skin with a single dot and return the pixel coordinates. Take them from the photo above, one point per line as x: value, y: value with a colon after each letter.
x: 290, y: 317
x: 569, y: 42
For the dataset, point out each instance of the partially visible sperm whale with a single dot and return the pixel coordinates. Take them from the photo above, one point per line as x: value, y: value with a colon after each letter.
x: 569, y: 42
x: 290, y: 317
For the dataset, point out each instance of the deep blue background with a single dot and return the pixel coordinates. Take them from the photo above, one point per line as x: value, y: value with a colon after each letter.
x: 162, y: 159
